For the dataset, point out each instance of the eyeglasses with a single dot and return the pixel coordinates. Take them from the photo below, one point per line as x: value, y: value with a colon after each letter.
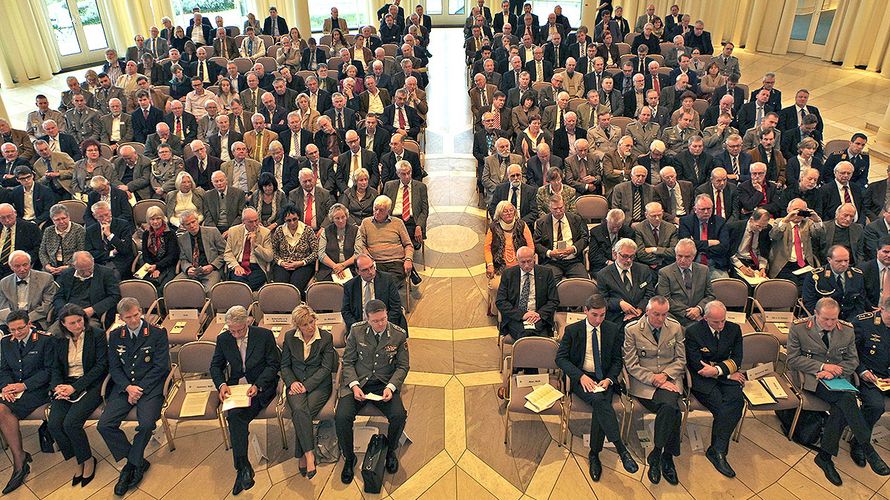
x: 292, y: 219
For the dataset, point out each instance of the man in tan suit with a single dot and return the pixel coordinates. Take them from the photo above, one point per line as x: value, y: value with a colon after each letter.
x: 249, y: 251
x: 494, y: 169
x: 792, y: 236
x: 574, y: 80
x: 655, y: 358
x: 617, y: 164
x: 53, y: 169
x: 241, y: 171
x: 258, y: 139
x: 334, y: 22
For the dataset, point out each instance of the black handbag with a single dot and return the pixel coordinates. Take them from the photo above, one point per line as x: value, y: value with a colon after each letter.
x: 374, y: 463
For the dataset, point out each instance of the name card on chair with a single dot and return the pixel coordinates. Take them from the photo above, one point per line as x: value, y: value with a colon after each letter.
x: 778, y: 317
x: 736, y: 317
x: 329, y: 318
x: 200, y: 385
x: 276, y: 319
x: 183, y: 314
x: 574, y: 317
x: 532, y: 380
x: 220, y: 318
x: 759, y: 371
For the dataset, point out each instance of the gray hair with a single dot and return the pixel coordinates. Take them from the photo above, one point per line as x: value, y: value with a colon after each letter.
x: 127, y: 304
x: 624, y: 243
x: 237, y: 314
x: 710, y: 306
x: 18, y: 253
x: 57, y: 209
x: 99, y: 205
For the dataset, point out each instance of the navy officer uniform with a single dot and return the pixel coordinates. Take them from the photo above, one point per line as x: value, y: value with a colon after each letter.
x: 141, y: 358
x: 27, y: 362
x: 848, y: 291
x: 873, y: 347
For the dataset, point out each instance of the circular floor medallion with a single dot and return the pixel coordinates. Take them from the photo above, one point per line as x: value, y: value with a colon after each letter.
x: 451, y: 239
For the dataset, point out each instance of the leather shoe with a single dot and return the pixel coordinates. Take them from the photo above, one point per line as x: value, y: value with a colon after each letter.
x: 596, y: 467
x: 392, y: 462
x: 857, y: 453
x: 85, y: 480
x: 877, y: 463
x: 827, y: 467
x: 123, y: 482
x: 247, y: 481
x: 654, y: 462
x: 17, y: 479
x: 627, y: 460
x: 718, y: 460
x: 237, y: 488
x: 139, y: 473
x: 348, y: 470
x: 668, y: 470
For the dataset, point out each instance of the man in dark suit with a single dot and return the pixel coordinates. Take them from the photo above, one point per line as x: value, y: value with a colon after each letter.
x: 695, y: 165
x: 539, y: 164
x: 180, y: 120
x: 373, y: 137
x: 294, y: 138
x: 116, y: 199
x: 841, y: 230
x: 519, y: 194
x: 417, y: 202
x: 249, y: 353
x: 97, y: 288
x: 675, y: 196
x: 792, y: 116
x: 748, y: 244
x: 26, y: 234
x: 791, y: 138
x: 342, y: 118
x: 368, y: 285
x: 282, y: 167
x: 224, y: 45
x: 758, y: 192
x: 721, y: 193
x: 223, y: 205
x: 145, y: 117
x: 312, y: 56
x: 274, y: 25
x: 505, y: 16
x: 735, y: 160
x: 560, y: 241
x: 626, y: 285
x: 758, y: 107
x: 596, y: 381
x: 539, y: 62
x: 110, y: 239
x: 854, y: 155
x: 222, y: 140
x: 354, y: 158
x: 66, y: 143
x: 685, y: 284
x: 397, y: 117
x: 397, y: 153
x: 841, y: 190
x: 206, y: 30
x: 202, y: 165
x: 521, y: 318
x: 309, y: 194
x: 138, y: 364
x: 706, y: 230
x: 874, y: 271
x: 731, y: 88
x: 41, y: 199
x: 714, y: 359
x: 873, y: 233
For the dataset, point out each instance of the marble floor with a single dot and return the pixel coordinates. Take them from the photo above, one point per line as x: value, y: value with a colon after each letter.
x: 455, y: 419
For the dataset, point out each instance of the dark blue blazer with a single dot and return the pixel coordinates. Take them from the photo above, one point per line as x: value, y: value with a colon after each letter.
x: 723, y: 160
x: 260, y: 366
x: 95, y: 362
x: 290, y: 169
x: 690, y: 227
x: 305, y: 139
x: 104, y: 290
x: 386, y: 288
x: 32, y: 367
x: 143, y: 361
x: 122, y: 241
x: 44, y: 198
x: 120, y: 207
x: 142, y: 128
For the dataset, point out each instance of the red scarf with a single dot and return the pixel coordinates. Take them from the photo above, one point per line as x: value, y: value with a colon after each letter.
x: 156, y: 239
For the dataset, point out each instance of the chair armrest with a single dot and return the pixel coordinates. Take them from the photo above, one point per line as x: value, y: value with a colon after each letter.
x: 759, y: 321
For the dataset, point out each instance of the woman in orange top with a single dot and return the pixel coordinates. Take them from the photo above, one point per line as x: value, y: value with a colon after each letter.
x: 506, y: 233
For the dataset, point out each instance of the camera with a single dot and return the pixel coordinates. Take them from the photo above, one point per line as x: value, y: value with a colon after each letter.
x: 804, y: 213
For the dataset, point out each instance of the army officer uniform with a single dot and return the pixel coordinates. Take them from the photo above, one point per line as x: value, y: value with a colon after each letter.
x: 873, y: 348
x: 847, y: 289
x: 27, y: 362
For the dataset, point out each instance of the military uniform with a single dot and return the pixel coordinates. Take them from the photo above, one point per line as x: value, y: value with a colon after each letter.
x: 676, y: 140
x: 648, y: 352
x: 163, y: 174
x: 823, y: 282
x: 29, y: 363
x: 809, y: 348
x: 873, y: 347
x: 142, y: 360
x: 373, y: 364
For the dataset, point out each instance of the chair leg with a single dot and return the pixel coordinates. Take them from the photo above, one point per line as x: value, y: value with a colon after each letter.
x: 224, y: 427
x: 738, y: 429
x: 282, y: 430
x: 166, y: 424
x: 794, y: 422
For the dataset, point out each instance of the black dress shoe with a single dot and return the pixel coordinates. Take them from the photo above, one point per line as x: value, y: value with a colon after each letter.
x: 668, y: 470
x: 348, y: 470
x: 596, y: 467
x: 392, y: 462
x: 303, y: 471
x: 827, y: 467
x: 654, y: 462
x: 17, y: 479
x: 857, y: 453
x: 249, y: 469
x: 247, y: 481
x: 123, y: 482
x: 627, y: 460
x: 139, y: 473
x: 718, y: 460
x: 85, y: 480
x: 237, y: 487
x: 877, y: 463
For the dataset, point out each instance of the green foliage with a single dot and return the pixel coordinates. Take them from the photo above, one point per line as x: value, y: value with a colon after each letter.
x: 206, y: 5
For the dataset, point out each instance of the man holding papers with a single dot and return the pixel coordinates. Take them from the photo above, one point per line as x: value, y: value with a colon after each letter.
x: 656, y: 361
x: 822, y: 348
x: 590, y: 355
x: 250, y: 357
x: 138, y: 362
x: 873, y: 346
x: 375, y: 364
x: 713, y: 357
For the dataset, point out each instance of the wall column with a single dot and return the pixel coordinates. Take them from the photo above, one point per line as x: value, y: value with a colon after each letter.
x: 301, y: 8
x: 857, y: 37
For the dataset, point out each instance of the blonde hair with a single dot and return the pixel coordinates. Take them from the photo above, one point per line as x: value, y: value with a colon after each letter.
x: 302, y: 314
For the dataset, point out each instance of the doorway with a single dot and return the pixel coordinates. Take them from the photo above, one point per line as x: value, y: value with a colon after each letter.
x: 79, y: 29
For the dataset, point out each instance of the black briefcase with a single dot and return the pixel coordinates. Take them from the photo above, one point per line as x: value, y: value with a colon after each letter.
x: 374, y: 463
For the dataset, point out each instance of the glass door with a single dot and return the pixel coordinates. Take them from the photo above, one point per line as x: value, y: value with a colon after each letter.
x: 79, y: 31
x: 447, y: 12
x: 812, y: 24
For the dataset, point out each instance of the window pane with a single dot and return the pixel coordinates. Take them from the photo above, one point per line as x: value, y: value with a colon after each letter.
x: 355, y: 13
x: 229, y: 9
x: 823, y: 27
x: 63, y: 27
x: 571, y: 9
x: 801, y: 27
x: 92, y: 24
x: 456, y: 7
x: 434, y: 7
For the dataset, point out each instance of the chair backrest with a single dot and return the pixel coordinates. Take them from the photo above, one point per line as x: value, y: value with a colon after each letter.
x: 391, y: 49
x: 76, y: 210
x: 268, y: 63
x: 733, y: 292
x: 243, y: 64
x: 194, y: 357
x: 226, y: 294
x: 272, y: 50
x: 535, y: 352
x: 623, y: 58
x: 758, y: 348
x: 592, y: 207
x: 305, y: 73
x: 411, y: 145
x: 332, y: 62
x: 278, y: 298
x: 539, y: 86
x: 325, y: 39
x: 665, y: 70
x: 138, y: 146
x: 701, y: 106
x: 629, y: 38
x: 746, y: 91
x: 267, y: 40
x: 238, y: 39
x: 575, y: 102
x: 222, y: 61
x: 623, y: 48
x: 573, y: 292
x: 141, y: 290
x: 621, y: 122
x: 325, y: 296
x: 835, y: 145
x: 105, y: 151
x: 184, y: 294
x: 187, y: 152
x: 665, y: 46
x: 776, y: 295
x: 141, y: 207
x: 657, y: 58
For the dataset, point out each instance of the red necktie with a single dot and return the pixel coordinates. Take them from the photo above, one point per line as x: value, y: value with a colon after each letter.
x: 406, y: 204
x: 763, y: 201
x: 847, y: 195
x: 308, y: 217
x: 719, y: 204
x: 704, y: 238
x: 178, y: 130
x: 656, y: 84
x: 401, y: 112
x: 798, y: 247
x: 751, y: 254
x: 245, y: 256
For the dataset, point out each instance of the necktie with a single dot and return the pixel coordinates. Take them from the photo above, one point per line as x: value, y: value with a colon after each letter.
x: 482, y: 98
x: 224, y: 52
x: 719, y: 203
x: 803, y: 114
x: 307, y: 219
x: 626, y: 279
x: 655, y: 233
x: 178, y: 130
x: 798, y: 247
x: 839, y: 278
x: 885, y: 282
x: 687, y: 280
x: 367, y: 298
x: 258, y: 152
x: 6, y: 249
x: 559, y: 230
x: 249, y: 47
x: 673, y: 206
x: 355, y: 165
x: 145, y: 114
x: 339, y: 119
x: 847, y: 198
x: 401, y: 113
x: 196, y: 252
x: 825, y: 338
x: 735, y: 164
x: 256, y: 101
x: 526, y: 291
x: 204, y: 76
x: 594, y: 346
x: 704, y: 237
x: 637, y: 205
x: 242, y: 347
x: 245, y: 255
x: 655, y: 333
x: 751, y: 254
x: 406, y: 204
x: 759, y: 117
x: 656, y: 84
x: 514, y: 198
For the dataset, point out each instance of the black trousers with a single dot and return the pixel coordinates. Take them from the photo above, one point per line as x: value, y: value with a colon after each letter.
x: 787, y: 273
x: 726, y: 402
x: 67, y: 421
x: 303, y: 409
x: 572, y: 268
x: 148, y: 411
x: 668, y: 417
x: 348, y: 408
x: 516, y: 8
x: 843, y: 411
x: 872, y: 403
x: 517, y: 330
x: 299, y: 277
x: 239, y: 423
x: 255, y: 280
x: 603, y: 421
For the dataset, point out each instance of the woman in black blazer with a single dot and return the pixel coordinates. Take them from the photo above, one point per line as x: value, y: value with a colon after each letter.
x: 79, y: 368
x: 160, y: 249
x: 307, y: 360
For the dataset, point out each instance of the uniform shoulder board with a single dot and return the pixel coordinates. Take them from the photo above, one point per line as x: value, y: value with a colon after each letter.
x: 359, y: 324
x: 856, y: 270
x: 633, y: 323
x: 672, y: 319
x: 845, y: 323
x: 817, y: 270
x: 864, y: 316
x: 801, y: 320
x: 398, y: 328
x: 45, y: 334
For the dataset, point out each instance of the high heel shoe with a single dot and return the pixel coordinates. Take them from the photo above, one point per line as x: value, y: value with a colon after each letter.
x: 311, y: 473
x: 86, y: 479
x: 303, y: 471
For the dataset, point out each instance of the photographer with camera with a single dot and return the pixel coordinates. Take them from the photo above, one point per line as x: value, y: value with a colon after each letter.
x: 791, y: 246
